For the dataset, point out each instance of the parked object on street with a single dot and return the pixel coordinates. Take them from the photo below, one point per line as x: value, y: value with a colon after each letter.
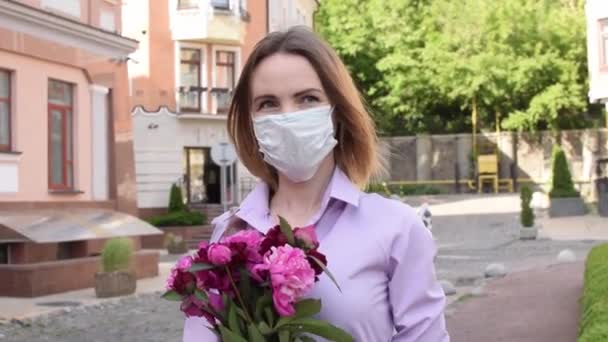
x: 566, y: 255
x: 425, y: 214
x: 495, y: 271
x: 565, y: 200
x: 117, y: 277
x: 527, y: 231
x: 601, y: 184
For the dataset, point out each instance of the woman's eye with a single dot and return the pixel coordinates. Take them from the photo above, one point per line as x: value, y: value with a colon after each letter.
x: 310, y: 99
x: 266, y: 105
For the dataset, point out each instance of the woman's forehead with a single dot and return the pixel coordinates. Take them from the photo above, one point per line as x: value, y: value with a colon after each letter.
x: 283, y: 73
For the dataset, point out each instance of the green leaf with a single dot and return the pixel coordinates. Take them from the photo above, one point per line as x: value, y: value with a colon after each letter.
x: 320, y: 328
x: 305, y: 338
x: 244, y: 285
x: 303, y: 308
x: 172, y: 295
x: 201, y: 267
x: 269, y: 315
x: 265, y: 329
x: 287, y: 231
x: 233, y: 319
x: 284, y: 335
x: 254, y: 334
x: 307, y: 307
x: 201, y: 295
x: 263, y: 302
x: 326, y: 271
x: 230, y: 336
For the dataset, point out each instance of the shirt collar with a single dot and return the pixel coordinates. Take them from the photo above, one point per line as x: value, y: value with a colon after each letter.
x: 255, y: 211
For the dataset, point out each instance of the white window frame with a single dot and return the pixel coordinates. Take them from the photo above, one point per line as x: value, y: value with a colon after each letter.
x: 72, y: 8
x: 237, y: 69
x: 603, y: 35
x: 203, y: 72
x: 105, y: 14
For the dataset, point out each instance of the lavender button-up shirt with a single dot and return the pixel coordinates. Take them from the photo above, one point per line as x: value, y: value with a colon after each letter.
x: 381, y: 255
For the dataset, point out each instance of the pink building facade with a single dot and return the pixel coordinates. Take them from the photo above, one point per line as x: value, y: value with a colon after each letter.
x: 67, y: 178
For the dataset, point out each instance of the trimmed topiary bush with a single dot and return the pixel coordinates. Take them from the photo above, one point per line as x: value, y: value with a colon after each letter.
x: 117, y: 254
x: 561, y: 181
x: 176, y: 200
x: 593, y: 325
x: 527, y: 215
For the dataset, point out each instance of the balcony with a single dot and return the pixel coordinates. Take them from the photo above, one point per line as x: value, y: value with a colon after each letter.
x: 215, y: 21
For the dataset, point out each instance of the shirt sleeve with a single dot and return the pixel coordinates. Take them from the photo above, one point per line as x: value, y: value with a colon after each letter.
x: 416, y: 297
x: 196, y: 329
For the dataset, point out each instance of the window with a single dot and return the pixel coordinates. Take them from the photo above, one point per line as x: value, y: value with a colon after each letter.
x: 5, y: 110
x: 5, y: 253
x: 190, y: 80
x: 187, y: 4
x: 604, y: 42
x: 107, y: 20
x: 71, y: 7
x: 225, y: 78
x: 61, y: 168
x: 221, y: 4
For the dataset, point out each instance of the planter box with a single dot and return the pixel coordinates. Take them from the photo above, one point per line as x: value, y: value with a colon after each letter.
x: 186, y: 232
x: 113, y: 284
x: 528, y: 233
x: 45, y: 278
x: 569, y: 206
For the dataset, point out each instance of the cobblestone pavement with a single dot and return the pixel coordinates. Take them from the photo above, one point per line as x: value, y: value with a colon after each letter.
x: 467, y: 243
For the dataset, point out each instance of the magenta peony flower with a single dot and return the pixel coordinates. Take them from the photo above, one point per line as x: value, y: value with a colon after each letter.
x: 274, y: 238
x: 291, y: 277
x: 306, y: 237
x: 219, y: 254
x: 216, y: 302
x: 181, y: 280
x: 252, y: 238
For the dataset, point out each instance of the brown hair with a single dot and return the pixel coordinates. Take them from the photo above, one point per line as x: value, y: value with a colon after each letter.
x: 355, y: 153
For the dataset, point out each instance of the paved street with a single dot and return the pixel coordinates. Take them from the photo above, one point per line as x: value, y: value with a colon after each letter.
x: 468, y: 235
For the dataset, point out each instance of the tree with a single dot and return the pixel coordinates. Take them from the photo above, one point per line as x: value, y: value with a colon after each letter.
x: 423, y: 65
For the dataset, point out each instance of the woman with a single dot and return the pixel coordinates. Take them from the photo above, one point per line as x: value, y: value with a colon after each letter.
x: 298, y: 123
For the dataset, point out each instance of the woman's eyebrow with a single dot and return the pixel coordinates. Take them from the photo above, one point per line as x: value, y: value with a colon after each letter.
x: 264, y: 96
x: 302, y: 92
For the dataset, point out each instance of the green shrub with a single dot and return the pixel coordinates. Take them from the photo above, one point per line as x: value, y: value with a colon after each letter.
x: 402, y: 189
x: 176, y: 200
x: 117, y: 254
x: 183, y: 218
x: 527, y: 215
x: 561, y: 181
x: 379, y: 188
x: 593, y: 325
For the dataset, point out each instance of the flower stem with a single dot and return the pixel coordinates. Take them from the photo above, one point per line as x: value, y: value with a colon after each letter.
x: 238, y: 294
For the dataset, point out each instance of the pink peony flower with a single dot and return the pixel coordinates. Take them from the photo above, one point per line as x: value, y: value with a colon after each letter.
x: 306, y: 237
x: 219, y: 254
x: 291, y: 277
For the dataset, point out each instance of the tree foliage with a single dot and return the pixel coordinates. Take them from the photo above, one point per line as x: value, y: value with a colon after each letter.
x: 423, y: 64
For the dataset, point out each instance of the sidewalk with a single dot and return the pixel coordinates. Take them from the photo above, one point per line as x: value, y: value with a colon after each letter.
x: 588, y: 227
x: 25, y: 308
x: 532, y: 306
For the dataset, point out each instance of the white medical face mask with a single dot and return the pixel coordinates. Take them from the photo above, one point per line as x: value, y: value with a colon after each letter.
x: 296, y: 143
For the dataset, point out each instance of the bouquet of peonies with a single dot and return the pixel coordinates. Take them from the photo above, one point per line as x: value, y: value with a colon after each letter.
x: 250, y: 287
